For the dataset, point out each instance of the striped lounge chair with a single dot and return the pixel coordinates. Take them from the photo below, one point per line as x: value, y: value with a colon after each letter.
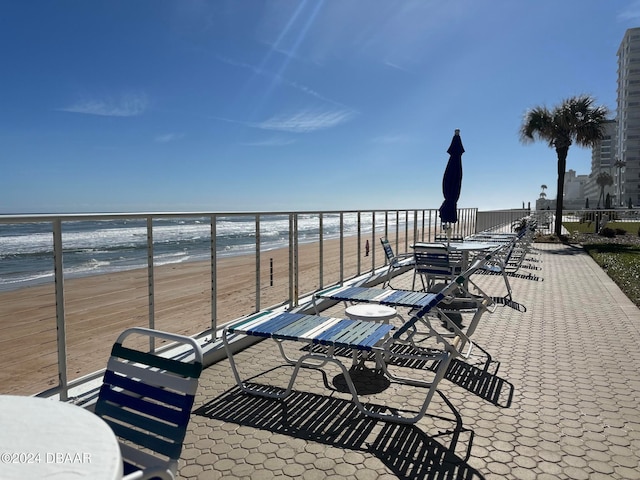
x: 476, y: 304
x: 376, y: 339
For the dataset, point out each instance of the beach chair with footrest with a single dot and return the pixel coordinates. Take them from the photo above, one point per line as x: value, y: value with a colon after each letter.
x: 509, y: 258
x: 360, y: 337
x: 459, y: 301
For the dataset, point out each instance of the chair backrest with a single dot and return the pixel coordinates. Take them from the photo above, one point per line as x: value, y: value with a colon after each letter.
x: 432, y: 258
x: 443, y: 238
x: 388, y: 251
x: 446, y: 290
x: 147, y: 398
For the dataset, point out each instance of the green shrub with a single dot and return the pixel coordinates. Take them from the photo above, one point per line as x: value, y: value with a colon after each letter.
x: 607, y: 232
x: 621, y: 231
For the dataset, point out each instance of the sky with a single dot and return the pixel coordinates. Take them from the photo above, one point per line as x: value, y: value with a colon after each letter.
x: 280, y: 105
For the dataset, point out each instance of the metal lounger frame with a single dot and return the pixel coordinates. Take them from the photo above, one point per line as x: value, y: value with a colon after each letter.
x: 355, y: 335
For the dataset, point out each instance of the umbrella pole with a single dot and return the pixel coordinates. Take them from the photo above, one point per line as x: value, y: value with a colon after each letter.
x: 447, y: 230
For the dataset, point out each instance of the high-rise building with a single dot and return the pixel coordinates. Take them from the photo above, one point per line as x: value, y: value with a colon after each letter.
x: 602, y: 160
x: 626, y: 164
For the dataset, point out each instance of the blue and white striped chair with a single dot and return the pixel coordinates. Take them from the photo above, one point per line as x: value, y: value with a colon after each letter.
x: 147, y: 399
x: 432, y: 262
x: 394, y: 261
x: 373, y: 338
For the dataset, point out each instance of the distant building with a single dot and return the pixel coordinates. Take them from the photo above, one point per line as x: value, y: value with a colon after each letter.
x: 543, y: 203
x: 602, y: 159
x: 574, y: 190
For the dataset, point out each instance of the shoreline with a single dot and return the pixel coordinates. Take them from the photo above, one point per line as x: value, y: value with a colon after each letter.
x: 49, y: 280
x: 99, y: 307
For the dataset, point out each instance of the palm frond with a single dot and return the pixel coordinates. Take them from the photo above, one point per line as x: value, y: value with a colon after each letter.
x: 537, y: 124
x: 576, y: 119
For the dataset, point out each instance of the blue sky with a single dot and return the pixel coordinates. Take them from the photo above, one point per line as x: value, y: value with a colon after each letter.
x: 231, y: 105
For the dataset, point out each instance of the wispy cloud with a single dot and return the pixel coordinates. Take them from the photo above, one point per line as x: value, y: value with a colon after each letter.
x: 397, y: 66
x: 169, y: 137
x: 631, y: 12
x: 279, y: 78
x: 127, y: 105
x: 306, y: 121
x: 270, y: 142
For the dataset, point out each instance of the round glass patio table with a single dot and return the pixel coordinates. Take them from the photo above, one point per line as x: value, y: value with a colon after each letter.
x: 42, y: 438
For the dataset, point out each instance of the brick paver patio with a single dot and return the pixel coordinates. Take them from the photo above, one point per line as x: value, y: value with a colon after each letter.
x: 558, y: 399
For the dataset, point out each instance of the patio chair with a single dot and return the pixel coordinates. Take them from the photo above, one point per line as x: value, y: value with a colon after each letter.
x: 509, y: 260
x: 440, y: 238
x: 394, y: 261
x: 433, y: 262
x: 460, y: 301
x: 146, y: 399
x: 357, y: 336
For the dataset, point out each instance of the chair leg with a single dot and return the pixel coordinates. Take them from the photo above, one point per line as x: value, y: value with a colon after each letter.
x: 387, y: 282
x: 507, y: 284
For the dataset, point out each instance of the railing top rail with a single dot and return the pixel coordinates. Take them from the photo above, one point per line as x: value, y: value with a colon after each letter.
x: 48, y: 217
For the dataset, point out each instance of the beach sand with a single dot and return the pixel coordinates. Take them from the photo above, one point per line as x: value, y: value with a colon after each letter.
x: 98, y: 308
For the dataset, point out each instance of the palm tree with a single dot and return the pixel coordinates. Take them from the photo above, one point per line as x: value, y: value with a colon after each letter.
x: 577, y: 120
x: 603, y: 180
x: 543, y: 187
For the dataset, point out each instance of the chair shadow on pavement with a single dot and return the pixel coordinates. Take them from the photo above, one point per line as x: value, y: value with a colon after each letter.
x: 406, y: 450
x: 481, y: 383
x: 503, y: 301
x: 478, y: 381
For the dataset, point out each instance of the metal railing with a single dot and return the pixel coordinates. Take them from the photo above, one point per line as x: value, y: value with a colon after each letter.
x: 50, y: 265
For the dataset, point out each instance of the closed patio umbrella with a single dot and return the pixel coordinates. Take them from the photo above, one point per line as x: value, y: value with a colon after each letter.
x: 452, y: 182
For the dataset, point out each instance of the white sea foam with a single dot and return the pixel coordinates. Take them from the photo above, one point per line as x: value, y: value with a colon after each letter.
x: 91, y: 247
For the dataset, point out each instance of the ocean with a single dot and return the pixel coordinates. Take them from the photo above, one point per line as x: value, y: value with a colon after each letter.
x: 106, y: 246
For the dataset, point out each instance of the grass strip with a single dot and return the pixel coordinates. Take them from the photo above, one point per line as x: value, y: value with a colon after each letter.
x: 622, y: 263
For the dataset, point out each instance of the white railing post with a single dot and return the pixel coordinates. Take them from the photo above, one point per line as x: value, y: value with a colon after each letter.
x: 321, y: 250
x: 358, y: 246
x: 61, y: 333
x: 373, y: 240
x: 293, y: 260
x: 397, y: 241
x: 258, y: 263
x: 341, y: 248
x: 150, y: 281
x: 214, y: 275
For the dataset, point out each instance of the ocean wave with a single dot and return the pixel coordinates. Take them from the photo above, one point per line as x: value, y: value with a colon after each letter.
x: 11, y: 282
x: 105, y: 246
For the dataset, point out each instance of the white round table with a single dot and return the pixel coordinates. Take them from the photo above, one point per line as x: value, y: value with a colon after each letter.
x: 372, y: 312
x: 41, y: 438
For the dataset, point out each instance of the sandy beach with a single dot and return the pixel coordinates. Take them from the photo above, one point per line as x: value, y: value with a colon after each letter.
x: 98, y: 308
